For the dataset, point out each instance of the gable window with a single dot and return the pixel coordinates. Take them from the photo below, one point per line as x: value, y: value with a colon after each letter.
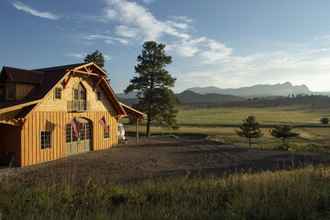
x: 106, y: 131
x: 58, y: 93
x: 45, y: 139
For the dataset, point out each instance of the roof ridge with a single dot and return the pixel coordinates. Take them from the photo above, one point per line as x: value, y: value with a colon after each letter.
x: 51, y: 68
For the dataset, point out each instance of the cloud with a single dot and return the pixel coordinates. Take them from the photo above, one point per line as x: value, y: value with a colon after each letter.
x: 27, y: 9
x: 81, y: 56
x: 126, y: 32
x: 135, y: 21
x: 135, y: 16
x: 106, y: 38
x: 310, y: 66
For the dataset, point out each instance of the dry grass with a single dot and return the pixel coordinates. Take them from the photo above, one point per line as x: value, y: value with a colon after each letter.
x: 299, y: 194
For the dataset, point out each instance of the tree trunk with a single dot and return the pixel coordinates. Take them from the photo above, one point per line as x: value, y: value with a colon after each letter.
x: 250, y: 142
x: 148, y: 126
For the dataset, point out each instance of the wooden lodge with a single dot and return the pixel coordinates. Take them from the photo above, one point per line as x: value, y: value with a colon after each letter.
x: 54, y: 112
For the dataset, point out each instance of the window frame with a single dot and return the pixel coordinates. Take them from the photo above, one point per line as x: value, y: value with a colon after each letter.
x: 45, y: 140
x: 58, y: 93
x: 106, y: 132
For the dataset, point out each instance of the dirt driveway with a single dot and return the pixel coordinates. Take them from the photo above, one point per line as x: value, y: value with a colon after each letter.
x: 155, y: 158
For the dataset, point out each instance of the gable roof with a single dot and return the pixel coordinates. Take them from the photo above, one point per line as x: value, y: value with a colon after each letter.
x: 47, y: 78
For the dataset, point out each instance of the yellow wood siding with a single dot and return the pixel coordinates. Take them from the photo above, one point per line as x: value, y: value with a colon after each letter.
x: 52, y: 104
x: 36, y: 122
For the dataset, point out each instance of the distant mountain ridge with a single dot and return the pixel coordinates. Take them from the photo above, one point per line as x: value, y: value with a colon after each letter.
x: 262, y: 90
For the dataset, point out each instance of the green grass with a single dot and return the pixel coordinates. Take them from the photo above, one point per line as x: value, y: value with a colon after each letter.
x: 221, y: 123
x: 298, y: 194
x: 231, y: 115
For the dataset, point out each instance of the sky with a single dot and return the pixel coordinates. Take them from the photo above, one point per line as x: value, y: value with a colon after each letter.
x: 222, y: 43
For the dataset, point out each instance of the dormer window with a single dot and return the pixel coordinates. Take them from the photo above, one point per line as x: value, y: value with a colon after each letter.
x: 58, y: 93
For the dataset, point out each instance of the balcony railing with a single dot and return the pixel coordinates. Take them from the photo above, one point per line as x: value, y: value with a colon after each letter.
x: 78, y: 106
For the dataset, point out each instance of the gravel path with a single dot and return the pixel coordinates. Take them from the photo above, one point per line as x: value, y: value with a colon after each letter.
x: 160, y: 158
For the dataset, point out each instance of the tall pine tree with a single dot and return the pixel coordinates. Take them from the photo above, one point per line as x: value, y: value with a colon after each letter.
x: 153, y: 85
x: 95, y: 57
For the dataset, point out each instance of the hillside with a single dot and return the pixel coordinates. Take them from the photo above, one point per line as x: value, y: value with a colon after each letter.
x: 283, y: 89
x: 191, y: 98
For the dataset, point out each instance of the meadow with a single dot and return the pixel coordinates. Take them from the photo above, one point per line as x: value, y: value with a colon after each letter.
x: 221, y: 123
x: 299, y: 194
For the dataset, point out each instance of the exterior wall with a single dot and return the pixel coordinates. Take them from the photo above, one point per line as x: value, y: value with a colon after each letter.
x: 54, y: 111
x: 37, y: 122
x: 10, y: 141
x: 52, y: 104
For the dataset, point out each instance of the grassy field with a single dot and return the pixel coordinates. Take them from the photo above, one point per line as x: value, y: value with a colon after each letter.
x: 216, y: 116
x: 221, y: 124
x: 299, y: 194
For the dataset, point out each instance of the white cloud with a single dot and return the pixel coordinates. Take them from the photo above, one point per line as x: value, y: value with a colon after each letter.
x: 306, y: 66
x: 134, y: 15
x: 81, y: 56
x: 126, y: 32
x: 106, y: 38
x: 25, y: 8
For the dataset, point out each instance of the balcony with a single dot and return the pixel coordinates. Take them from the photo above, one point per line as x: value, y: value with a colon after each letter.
x: 78, y: 106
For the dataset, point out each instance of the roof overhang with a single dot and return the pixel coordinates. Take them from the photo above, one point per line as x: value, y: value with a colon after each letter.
x: 132, y: 112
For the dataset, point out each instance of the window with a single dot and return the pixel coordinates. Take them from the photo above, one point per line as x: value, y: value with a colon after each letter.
x: 68, y: 131
x: 45, y: 139
x: 58, y: 93
x: 98, y: 96
x: 106, y: 131
x: 11, y: 91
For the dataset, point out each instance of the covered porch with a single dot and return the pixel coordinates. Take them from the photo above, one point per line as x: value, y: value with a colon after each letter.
x: 135, y: 116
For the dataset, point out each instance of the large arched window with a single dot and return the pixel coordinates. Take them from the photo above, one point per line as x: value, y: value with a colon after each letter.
x: 79, y: 102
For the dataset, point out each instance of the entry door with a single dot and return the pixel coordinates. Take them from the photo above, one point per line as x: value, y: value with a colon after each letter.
x: 83, y: 142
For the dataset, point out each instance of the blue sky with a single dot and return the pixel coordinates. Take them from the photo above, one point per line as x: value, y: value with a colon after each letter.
x: 224, y: 43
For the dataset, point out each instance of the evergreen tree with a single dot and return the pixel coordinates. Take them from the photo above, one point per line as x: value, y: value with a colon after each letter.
x: 250, y: 129
x: 283, y: 132
x: 153, y: 85
x: 95, y: 57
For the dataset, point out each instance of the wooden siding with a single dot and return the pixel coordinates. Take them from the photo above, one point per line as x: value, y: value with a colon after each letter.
x: 37, y: 121
x: 52, y: 104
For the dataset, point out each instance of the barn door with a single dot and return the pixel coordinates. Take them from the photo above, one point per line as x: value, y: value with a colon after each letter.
x: 81, y: 142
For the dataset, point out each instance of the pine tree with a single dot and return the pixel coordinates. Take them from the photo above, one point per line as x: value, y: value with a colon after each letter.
x: 283, y: 132
x: 95, y: 57
x: 250, y: 129
x: 153, y: 85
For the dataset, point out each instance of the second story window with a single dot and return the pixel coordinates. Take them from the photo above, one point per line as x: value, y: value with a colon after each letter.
x: 58, y: 93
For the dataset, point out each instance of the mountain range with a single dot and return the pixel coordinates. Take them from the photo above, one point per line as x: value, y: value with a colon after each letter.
x: 217, y: 96
x: 265, y: 90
